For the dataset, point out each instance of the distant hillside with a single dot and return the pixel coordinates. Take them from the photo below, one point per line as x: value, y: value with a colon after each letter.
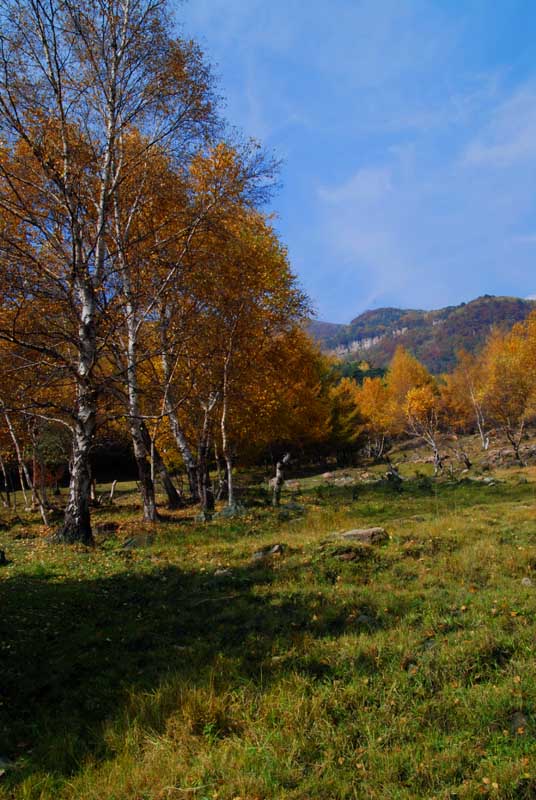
x: 323, y: 331
x: 432, y: 336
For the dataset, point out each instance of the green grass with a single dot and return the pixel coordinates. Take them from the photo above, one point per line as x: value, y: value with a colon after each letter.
x: 140, y: 675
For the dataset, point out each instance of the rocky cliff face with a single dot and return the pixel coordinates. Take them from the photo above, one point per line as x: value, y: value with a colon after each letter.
x: 433, y: 336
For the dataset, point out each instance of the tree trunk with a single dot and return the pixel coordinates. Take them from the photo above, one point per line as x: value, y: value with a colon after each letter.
x: 226, y: 450
x: 515, y: 441
x: 174, y: 424
x: 484, y: 438
x: 144, y: 472
x: 480, y: 421
x: 279, y: 479
x: 13, y: 491
x: 174, y: 500
x: 227, y: 459
x: 192, y: 467
x: 6, y: 484
x: 76, y: 525
x: 34, y: 473
x: 20, y: 463
x: 230, y: 483
x: 43, y: 483
x: 24, y: 474
x: 136, y: 425
x: 77, y: 521
x: 438, y: 460
x: 393, y: 474
x: 381, y: 446
x: 220, y: 467
x: 465, y: 459
x: 205, y: 490
x: 93, y: 491
x: 204, y: 486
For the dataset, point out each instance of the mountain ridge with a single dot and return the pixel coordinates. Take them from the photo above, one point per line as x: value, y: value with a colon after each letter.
x: 432, y: 336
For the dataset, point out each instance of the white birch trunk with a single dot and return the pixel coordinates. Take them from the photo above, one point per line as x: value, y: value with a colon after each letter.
x: 23, y: 472
x: 188, y: 458
x: 77, y: 520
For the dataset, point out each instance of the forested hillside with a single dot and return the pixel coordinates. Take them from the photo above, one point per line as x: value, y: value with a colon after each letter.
x: 433, y: 337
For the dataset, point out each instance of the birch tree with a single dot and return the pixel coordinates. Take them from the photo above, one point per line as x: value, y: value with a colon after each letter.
x: 510, y: 386
x: 463, y: 394
x: 423, y: 415
x: 75, y: 78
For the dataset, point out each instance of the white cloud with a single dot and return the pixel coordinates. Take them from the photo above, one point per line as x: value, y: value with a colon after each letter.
x: 510, y: 135
x: 369, y: 184
x: 412, y: 227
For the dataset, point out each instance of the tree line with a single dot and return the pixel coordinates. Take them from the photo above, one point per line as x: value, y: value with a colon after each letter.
x: 491, y: 392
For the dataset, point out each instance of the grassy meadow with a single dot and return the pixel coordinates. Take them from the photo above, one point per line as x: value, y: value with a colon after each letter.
x: 182, y: 667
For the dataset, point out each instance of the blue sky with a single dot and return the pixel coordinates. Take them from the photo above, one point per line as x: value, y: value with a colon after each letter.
x: 408, y: 134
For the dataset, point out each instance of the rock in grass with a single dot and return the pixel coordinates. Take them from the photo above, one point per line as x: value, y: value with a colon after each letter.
x: 297, y: 507
x: 518, y: 723
x: 366, y: 535
x: 230, y: 512
x: 268, y: 552
x: 353, y: 552
x: 366, y: 621
x: 344, y: 480
x: 5, y: 764
x: 348, y: 555
x: 22, y: 535
x: 134, y: 542
x: 106, y: 528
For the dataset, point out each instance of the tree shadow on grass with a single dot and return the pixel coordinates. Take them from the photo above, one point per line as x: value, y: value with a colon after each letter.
x: 73, y: 651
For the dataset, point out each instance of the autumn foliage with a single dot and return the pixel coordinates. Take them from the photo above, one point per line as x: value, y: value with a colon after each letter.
x: 490, y: 393
x: 142, y: 287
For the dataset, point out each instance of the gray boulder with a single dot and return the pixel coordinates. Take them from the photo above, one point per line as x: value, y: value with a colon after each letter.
x: 230, y: 512
x: 518, y: 723
x: 143, y: 540
x: 268, y: 552
x: 365, y: 535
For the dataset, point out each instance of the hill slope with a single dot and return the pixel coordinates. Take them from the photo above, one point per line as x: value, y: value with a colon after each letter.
x: 433, y: 336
